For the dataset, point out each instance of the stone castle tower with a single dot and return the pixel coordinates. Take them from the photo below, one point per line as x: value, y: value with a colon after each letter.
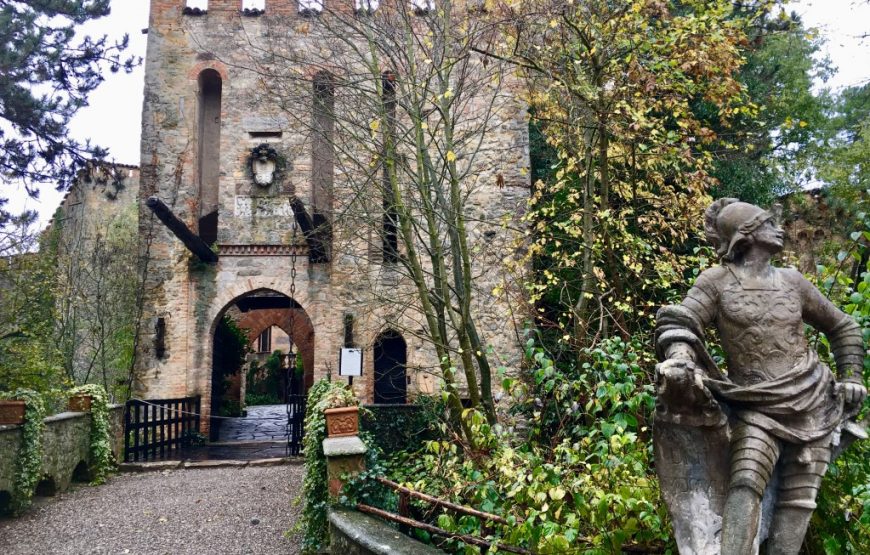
x: 251, y: 176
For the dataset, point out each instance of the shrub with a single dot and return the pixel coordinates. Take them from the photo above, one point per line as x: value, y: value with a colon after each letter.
x: 28, y: 465
x: 322, y: 395
x: 100, y: 439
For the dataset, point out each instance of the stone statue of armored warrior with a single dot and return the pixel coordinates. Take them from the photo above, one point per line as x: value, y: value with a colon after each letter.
x: 741, y: 455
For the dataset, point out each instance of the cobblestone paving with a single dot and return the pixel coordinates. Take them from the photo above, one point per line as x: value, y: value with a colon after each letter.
x: 195, y: 511
x: 236, y: 451
x: 264, y: 422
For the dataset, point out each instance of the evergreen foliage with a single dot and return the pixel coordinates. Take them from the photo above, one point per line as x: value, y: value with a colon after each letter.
x: 776, y: 143
x: 47, y: 75
x: 100, y: 437
x: 841, y: 522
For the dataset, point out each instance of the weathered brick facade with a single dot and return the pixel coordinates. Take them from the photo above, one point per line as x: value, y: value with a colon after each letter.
x: 255, y: 223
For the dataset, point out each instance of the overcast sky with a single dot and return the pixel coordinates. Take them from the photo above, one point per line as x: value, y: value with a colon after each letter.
x: 114, y: 116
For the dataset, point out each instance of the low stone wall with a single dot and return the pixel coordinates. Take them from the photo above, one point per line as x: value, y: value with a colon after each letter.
x: 66, y: 449
x: 355, y: 533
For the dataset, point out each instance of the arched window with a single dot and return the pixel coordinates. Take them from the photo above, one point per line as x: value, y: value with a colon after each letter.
x: 390, y: 361
x: 389, y: 236
x: 208, y: 159
x: 323, y: 153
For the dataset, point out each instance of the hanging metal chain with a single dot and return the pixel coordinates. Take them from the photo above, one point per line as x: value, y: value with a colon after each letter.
x: 294, y: 435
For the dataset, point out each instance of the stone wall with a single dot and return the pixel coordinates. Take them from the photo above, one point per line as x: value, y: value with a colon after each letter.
x: 66, y: 444
x: 255, y: 236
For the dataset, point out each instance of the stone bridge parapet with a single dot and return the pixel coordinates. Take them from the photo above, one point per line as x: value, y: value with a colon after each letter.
x: 66, y: 450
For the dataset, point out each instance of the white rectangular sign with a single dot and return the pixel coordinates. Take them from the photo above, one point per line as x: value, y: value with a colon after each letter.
x: 350, y: 362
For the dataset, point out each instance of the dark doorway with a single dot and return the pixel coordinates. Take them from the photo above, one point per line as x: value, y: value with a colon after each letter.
x: 391, y: 383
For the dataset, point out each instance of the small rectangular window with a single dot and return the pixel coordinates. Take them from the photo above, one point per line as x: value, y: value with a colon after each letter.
x: 200, y: 4
x: 265, y: 134
x: 264, y: 342
x: 253, y: 4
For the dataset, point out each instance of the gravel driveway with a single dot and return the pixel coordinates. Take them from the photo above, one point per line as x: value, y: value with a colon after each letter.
x: 195, y: 511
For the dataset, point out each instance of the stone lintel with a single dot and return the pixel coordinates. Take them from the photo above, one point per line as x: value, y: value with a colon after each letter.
x: 343, y: 446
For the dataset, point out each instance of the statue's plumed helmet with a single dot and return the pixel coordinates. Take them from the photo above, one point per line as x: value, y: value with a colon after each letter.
x: 728, y: 224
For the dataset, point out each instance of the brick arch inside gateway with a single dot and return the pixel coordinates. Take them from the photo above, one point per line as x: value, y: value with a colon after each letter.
x: 259, y: 310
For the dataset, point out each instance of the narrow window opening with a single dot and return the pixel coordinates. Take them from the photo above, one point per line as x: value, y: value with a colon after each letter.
x: 160, y: 338
x: 251, y: 5
x: 390, y: 238
x: 323, y: 160
x: 195, y: 7
x: 366, y: 6
x: 310, y: 7
x: 348, y: 330
x: 422, y: 7
x: 265, y: 134
x: 210, y: 86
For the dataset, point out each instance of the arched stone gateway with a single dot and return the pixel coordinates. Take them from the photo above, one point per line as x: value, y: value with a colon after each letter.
x: 255, y: 311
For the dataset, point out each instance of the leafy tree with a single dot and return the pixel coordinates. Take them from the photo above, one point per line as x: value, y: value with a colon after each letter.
x: 614, y: 86
x: 844, y: 153
x: 46, y: 75
x: 29, y: 355
x: 775, y: 144
x: 97, y: 278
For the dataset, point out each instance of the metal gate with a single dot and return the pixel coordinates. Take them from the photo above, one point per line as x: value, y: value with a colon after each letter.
x: 295, y: 424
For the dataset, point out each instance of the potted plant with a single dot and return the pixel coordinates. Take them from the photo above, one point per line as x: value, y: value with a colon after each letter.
x: 11, y: 411
x: 341, y: 408
x: 80, y: 402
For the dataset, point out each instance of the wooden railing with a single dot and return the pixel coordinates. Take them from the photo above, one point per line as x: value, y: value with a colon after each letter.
x: 153, y: 429
x: 403, y: 518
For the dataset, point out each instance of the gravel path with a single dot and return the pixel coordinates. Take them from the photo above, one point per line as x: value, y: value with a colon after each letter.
x: 195, y: 511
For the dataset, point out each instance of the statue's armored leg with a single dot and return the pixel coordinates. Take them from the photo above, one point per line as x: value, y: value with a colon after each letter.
x: 740, y: 520
x: 802, y: 470
x: 754, y: 453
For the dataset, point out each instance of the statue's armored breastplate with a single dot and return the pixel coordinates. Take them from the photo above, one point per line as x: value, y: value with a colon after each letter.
x: 761, y: 327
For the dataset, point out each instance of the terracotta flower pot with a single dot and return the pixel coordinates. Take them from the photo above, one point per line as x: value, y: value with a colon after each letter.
x: 342, y: 421
x: 79, y: 403
x: 11, y: 412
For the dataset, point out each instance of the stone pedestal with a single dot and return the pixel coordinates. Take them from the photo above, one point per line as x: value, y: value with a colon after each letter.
x: 344, y: 456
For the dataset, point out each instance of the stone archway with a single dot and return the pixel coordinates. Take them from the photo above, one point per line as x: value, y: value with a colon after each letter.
x: 294, y: 321
x: 255, y: 311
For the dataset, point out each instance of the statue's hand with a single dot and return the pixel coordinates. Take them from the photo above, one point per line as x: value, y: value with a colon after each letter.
x: 854, y: 394
x: 675, y: 372
x: 677, y: 379
x: 681, y: 393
